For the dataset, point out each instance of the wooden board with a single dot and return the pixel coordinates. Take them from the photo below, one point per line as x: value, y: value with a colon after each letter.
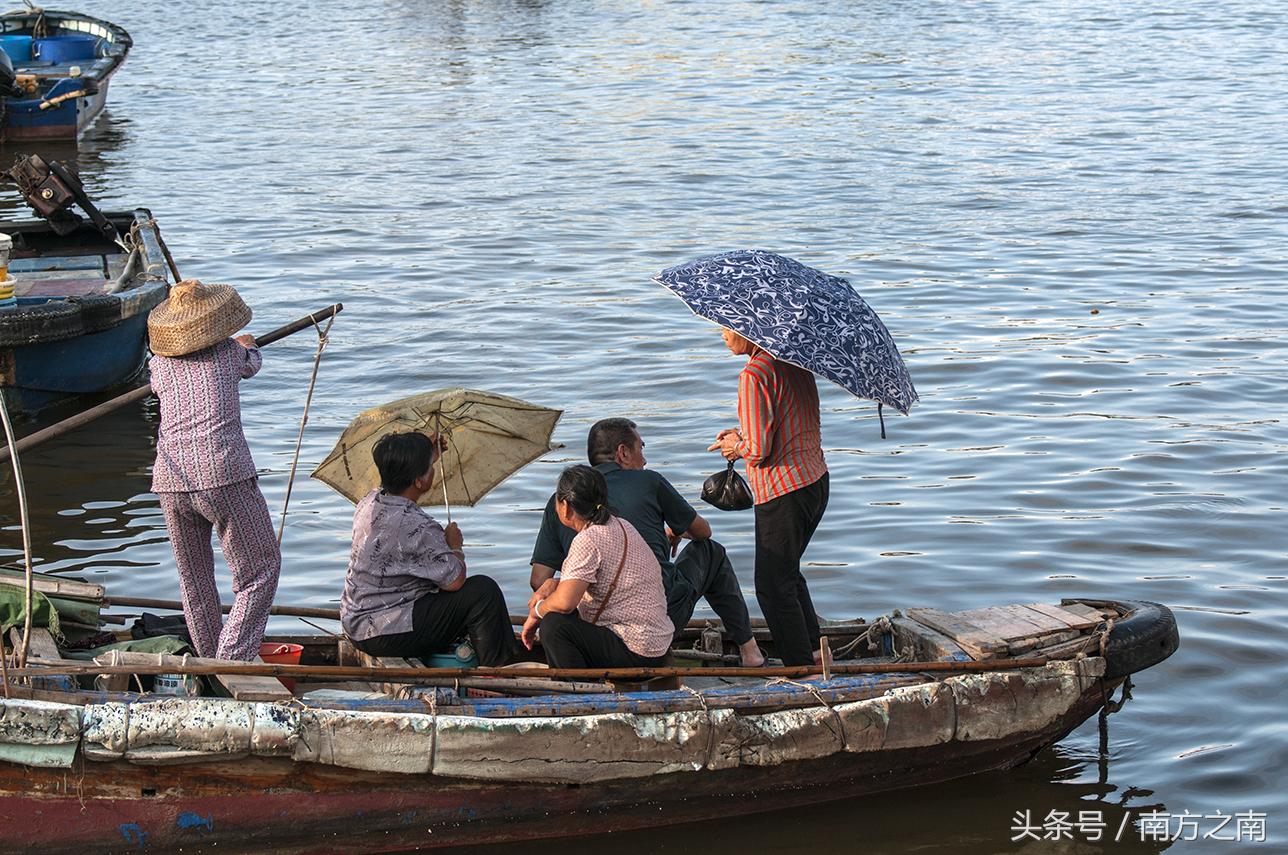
x: 1088, y: 644
x: 42, y: 643
x: 1084, y: 610
x: 69, y: 588
x: 42, y: 646
x: 972, y: 639
x: 1069, y: 618
x: 1020, y: 627
x: 1003, y: 623
x: 247, y: 688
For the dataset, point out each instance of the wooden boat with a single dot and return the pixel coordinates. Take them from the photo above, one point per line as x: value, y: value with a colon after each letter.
x: 55, y: 68
x: 83, y: 289
x: 339, y: 764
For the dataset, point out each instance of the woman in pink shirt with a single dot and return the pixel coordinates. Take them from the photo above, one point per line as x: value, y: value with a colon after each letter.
x: 204, y: 474
x: 609, y: 609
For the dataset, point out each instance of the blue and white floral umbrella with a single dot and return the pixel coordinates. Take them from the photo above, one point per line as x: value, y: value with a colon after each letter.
x: 800, y: 315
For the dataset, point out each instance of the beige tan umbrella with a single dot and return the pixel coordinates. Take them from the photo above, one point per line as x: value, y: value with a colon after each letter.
x: 489, y: 438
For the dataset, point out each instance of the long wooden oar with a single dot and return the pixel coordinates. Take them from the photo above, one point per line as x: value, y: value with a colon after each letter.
x: 81, y: 419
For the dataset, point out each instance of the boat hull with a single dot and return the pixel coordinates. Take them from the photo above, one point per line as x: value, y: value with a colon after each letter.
x: 275, y: 805
x: 36, y: 376
x: 65, y: 122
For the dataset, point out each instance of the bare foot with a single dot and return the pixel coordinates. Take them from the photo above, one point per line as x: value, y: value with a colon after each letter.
x: 818, y: 658
x: 752, y: 657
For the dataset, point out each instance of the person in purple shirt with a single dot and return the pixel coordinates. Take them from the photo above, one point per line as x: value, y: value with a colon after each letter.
x: 406, y: 592
x: 204, y: 475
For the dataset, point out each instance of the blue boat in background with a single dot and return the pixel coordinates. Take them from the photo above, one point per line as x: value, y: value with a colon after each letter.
x: 54, y: 72
x: 74, y: 292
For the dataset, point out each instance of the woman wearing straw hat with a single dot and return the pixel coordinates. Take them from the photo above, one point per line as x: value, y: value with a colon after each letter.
x: 204, y: 474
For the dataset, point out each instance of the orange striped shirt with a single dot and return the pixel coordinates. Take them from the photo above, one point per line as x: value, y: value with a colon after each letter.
x: 778, y: 417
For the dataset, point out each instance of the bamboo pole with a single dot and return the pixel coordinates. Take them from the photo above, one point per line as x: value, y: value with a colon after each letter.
x: 20, y: 487
x: 207, y: 667
x: 334, y: 614
x: 68, y: 425
x: 176, y: 606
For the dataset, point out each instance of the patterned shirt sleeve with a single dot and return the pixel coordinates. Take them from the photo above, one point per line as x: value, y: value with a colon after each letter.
x: 254, y: 361
x: 584, y: 560
x: 439, y: 564
x: 755, y: 415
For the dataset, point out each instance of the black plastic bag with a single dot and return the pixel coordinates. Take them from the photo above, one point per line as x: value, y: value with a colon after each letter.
x: 151, y: 626
x: 727, y: 491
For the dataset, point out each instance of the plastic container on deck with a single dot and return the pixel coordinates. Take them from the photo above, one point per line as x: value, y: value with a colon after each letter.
x: 460, y: 656
x: 18, y: 48
x: 63, y: 49
x: 6, y: 284
x: 181, y: 685
x: 282, y: 654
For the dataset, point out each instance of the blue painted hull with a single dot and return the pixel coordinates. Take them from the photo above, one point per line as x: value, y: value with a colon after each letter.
x: 47, y: 373
x: 24, y: 120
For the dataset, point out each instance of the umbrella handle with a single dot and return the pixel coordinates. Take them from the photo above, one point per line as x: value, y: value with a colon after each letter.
x: 442, y: 479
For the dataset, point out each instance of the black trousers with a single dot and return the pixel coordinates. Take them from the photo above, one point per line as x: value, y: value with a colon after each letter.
x: 702, y: 570
x: 784, y: 527
x: 571, y: 642
x: 476, y: 608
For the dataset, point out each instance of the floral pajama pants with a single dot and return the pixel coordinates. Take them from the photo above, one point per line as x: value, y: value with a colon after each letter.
x: 239, y: 515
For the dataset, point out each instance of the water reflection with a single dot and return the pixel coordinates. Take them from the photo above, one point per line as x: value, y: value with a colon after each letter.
x: 110, y: 463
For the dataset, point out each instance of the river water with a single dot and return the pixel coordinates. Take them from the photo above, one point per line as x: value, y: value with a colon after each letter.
x: 1070, y: 215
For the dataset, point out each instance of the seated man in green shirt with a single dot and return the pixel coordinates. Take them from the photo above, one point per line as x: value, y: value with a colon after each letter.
x: 663, y: 518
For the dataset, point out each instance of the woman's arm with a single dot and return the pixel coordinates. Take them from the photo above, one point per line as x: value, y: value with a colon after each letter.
x: 437, y: 550
x: 755, y: 417
x: 254, y: 359
x: 568, y: 594
x: 565, y: 598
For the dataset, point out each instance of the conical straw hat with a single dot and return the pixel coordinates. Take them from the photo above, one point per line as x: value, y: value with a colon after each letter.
x: 195, y: 317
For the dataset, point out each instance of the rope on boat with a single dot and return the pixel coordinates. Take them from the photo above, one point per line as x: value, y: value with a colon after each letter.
x: 818, y: 696
x: 130, y: 242
x: 21, y: 489
x: 711, y: 727
x: 881, y: 626
x: 323, y: 339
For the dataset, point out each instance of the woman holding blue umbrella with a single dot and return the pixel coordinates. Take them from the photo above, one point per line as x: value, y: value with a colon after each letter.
x: 791, y: 322
x: 778, y: 437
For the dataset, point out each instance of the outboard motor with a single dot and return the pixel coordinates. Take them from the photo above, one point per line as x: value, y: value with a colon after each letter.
x: 51, y: 189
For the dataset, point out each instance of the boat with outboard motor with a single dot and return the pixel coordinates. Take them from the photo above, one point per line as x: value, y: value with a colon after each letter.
x: 384, y: 755
x: 55, y: 68
x: 74, y: 292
